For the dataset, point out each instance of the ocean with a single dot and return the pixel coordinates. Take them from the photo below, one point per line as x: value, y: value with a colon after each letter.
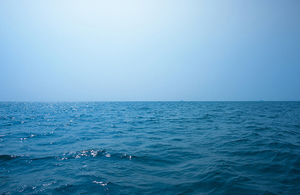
x: 150, y: 148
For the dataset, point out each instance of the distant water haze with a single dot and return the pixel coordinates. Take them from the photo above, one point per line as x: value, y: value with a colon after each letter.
x: 149, y: 50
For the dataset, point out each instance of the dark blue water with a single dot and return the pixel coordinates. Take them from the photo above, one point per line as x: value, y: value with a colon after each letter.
x: 150, y: 148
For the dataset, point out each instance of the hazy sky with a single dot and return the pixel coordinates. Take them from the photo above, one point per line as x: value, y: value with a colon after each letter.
x: 56, y: 50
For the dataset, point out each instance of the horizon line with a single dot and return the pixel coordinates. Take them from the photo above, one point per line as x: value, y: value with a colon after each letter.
x: 153, y: 101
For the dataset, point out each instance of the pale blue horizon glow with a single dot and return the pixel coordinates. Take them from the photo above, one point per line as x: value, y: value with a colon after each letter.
x: 149, y: 50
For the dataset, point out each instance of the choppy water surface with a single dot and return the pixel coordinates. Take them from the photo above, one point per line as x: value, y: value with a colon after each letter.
x: 150, y: 148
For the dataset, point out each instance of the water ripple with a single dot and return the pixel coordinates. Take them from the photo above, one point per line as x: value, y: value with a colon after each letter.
x: 150, y: 148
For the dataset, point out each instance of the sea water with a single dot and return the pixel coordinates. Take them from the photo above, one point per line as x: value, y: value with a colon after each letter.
x: 150, y: 148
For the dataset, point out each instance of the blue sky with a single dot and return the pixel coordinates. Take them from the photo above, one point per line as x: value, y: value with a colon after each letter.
x: 149, y: 50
